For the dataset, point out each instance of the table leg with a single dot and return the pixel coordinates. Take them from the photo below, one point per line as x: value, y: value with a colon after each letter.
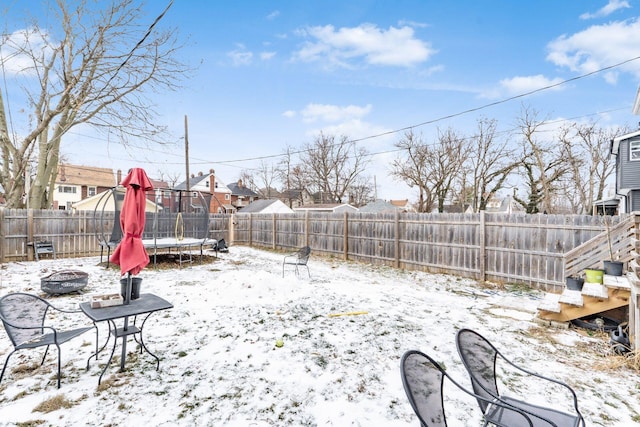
x: 144, y: 346
x: 97, y: 340
x: 113, y: 350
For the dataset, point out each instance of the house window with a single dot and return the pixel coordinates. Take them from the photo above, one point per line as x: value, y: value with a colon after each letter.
x: 227, y: 196
x: 206, y: 184
x: 91, y: 191
x: 634, y: 149
x: 67, y: 189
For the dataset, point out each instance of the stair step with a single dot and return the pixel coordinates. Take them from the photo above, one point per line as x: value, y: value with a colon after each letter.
x: 596, y: 290
x: 571, y: 297
x: 618, y: 282
x: 551, y: 303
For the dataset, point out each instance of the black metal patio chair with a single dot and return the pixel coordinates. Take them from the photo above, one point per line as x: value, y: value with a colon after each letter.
x: 481, y: 360
x: 24, y: 317
x: 300, y: 257
x: 423, y: 380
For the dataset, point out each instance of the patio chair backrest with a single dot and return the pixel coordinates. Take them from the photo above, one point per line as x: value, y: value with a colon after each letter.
x: 303, y: 255
x: 479, y: 357
x: 423, y: 379
x: 19, y: 311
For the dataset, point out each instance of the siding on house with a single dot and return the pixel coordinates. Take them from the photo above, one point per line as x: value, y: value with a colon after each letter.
x: 634, y: 201
x: 628, y: 170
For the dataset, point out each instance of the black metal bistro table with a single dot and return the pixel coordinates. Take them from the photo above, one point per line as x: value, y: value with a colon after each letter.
x: 147, y: 304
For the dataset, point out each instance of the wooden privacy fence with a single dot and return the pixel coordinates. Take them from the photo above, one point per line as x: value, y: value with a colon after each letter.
x: 73, y: 233
x: 520, y: 248
x: 540, y: 250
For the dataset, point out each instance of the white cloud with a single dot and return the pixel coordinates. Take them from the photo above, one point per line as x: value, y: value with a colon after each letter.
x: 289, y: 113
x: 273, y: 15
x: 265, y: 56
x: 392, y: 47
x: 524, y: 84
x: 333, y: 113
x: 240, y: 56
x: 608, y: 9
x: 597, y: 47
x: 15, y: 61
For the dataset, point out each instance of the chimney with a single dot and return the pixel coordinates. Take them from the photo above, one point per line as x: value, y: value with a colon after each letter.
x: 118, y: 176
x: 239, y: 183
x: 212, y: 181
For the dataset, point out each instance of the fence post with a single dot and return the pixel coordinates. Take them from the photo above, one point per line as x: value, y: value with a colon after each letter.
x: 29, y: 234
x: 306, y: 228
x: 482, y: 253
x: 232, y: 228
x: 273, y: 227
x: 250, y: 229
x: 2, y: 240
x: 345, y: 238
x: 396, y: 239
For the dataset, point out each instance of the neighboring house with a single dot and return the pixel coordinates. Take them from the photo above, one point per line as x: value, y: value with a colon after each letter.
x: 403, y: 205
x: 380, y: 206
x: 104, y: 202
x: 241, y: 196
x: 507, y: 205
x: 208, y: 183
x: 266, y: 206
x: 74, y: 183
x: 327, y: 207
x: 295, y: 197
x: 626, y: 149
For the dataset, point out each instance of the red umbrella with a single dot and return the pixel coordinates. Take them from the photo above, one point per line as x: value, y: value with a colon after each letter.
x: 130, y: 254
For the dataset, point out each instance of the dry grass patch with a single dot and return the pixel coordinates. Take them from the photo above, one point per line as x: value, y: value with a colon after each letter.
x: 56, y: 402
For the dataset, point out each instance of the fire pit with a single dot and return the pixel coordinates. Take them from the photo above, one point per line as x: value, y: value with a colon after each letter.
x: 63, y: 282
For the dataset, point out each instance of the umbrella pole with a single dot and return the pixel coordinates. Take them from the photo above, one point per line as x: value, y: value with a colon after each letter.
x: 127, y: 300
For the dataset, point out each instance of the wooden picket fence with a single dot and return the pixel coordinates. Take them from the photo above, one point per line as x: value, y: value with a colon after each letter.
x: 538, y: 250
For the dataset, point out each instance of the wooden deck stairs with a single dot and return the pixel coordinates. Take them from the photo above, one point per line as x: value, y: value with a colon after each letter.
x: 593, y: 299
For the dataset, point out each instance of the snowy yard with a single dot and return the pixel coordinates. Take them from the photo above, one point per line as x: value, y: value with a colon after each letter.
x: 220, y: 365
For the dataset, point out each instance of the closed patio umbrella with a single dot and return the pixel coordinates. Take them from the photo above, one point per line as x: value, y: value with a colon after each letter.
x: 130, y: 253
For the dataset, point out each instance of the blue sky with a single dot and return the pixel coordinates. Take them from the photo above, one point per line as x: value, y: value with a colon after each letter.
x: 271, y: 74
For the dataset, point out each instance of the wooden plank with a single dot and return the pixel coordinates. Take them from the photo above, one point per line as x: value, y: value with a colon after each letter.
x: 616, y: 298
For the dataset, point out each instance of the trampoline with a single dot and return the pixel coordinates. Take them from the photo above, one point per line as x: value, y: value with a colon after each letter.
x: 176, y: 220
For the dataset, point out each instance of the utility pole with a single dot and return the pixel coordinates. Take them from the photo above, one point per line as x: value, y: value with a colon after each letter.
x: 186, y: 151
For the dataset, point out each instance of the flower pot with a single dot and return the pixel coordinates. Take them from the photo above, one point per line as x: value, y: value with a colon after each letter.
x: 574, y: 283
x: 613, y: 268
x: 594, y: 275
x: 135, y: 287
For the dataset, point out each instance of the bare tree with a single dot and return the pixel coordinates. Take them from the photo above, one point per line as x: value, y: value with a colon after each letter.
x: 542, y: 164
x: 98, y: 72
x: 446, y: 160
x: 333, y: 165
x: 491, y: 163
x: 412, y: 168
x: 265, y: 176
x: 291, y: 178
x: 361, y: 191
x: 586, y: 149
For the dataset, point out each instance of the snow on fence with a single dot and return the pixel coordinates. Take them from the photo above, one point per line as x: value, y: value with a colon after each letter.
x: 516, y: 248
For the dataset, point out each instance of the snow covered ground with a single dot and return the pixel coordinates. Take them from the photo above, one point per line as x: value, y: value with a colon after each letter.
x: 220, y: 365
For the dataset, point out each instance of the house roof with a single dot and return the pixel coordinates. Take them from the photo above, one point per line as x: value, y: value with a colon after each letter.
x: 85, y: 175
x: 616, y: 141
x: 266, y: 205
x: 237, y: 189
x: 326, y: 207
x: 379, y: 206
x: 194, y: 180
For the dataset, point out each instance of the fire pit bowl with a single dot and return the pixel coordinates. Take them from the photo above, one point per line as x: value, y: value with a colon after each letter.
x: 64, y: 282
